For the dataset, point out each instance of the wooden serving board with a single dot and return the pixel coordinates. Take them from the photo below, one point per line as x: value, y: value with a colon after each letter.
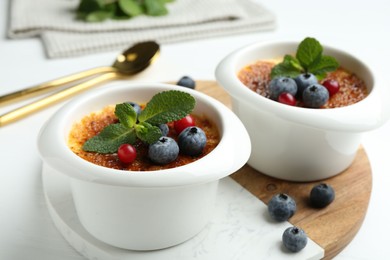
x: 332, y: 227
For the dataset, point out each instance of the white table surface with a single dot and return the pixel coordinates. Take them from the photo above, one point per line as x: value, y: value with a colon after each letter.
x: 26, y: 230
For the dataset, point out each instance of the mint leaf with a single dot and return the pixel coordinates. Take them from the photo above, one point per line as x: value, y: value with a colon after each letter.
x: 126, y: 114
x: 99, y: 10
x: 130, y: 7
x: 87, y: 6
x: 155, y: 7
x: 309, y: 59
x: 147, y: 132
x: 324, y: 65
x: 309, y: 52
x: 97, y: 16
x: 167, y: 106
x: 289, y: 67
x: 110, y: 138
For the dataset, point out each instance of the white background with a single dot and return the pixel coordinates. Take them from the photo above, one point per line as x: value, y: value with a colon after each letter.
x: 361, y: 27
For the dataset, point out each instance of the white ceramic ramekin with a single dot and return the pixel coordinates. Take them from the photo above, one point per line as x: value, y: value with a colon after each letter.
x: 300, y: 144
x: 143, y: 210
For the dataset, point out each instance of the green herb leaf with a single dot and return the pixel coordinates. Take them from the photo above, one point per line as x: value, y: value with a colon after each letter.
x: 99, y: 10
x: 97, y: 16
x: 289, y: 67
x: 110, y: 138
x: 88, y: 6
x: 324, y: 65
x: 155, y: 7
x: 126, y: 114
x: 167, y: 106
x: 309, y: 59
x: 130, y: 7
x: 309, y: 52
x: 147, y: 132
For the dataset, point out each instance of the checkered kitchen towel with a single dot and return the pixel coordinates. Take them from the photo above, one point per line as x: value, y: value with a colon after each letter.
x: 64, y: 36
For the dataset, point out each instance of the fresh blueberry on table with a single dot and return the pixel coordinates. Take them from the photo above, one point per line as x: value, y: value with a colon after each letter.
x: 279, y: 85
x: 192, y: 141
x: 281, y: 207
x: 315, y: 96
x: 321, y: 195
x: 164, y: 151
x: 187, y: 82
x: 304, y: 80
x: 294, y: 239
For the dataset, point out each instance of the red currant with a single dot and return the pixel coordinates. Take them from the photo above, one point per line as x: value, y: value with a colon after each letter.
x: 183, y: 123
x: 287, y: 99
x: 127, y: 153
x: 332, y: 86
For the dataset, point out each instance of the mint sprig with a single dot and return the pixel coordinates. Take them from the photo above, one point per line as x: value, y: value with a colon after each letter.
x: 164, y: 107
x: 308, y: 59
x: 100, y: 10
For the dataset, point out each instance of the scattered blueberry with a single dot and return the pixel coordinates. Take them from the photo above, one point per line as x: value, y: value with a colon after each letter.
x: 164, y: 151
x: 304, y: 80
x: 192, y: 140
x: 281, y: 207
x: 279, y: 85
x: 294, y: 239
x: 315, y: 96
x: 164, y: 129
x: 322, y: 195
x: 136, y: 107
x: 187, y: 82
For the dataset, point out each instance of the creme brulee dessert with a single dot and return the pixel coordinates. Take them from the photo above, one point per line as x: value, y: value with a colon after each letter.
x: 185, y: 145
x: 299, y: 81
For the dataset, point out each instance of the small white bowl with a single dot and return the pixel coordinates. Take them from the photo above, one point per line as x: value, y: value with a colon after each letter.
x: 151, y: 209
x: 294, y: 143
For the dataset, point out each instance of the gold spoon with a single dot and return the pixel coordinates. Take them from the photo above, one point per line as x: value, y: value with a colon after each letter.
x: 130, y: 62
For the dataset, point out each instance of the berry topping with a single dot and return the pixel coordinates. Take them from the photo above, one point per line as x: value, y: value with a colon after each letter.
x: 136, y: 107
x: 127, y: 153
x: 294, y: 239
x: 315, y: 96
x: 304, y: 80
x: 282, y: 84
x: 164, y: 129
x: 281, y: 207
x: 191, y: 141
x: 183, y: 123
x: 187, y: 82
x: 287, y: 99
x: 322, y: 195
x: 332, y: 86
x: 164, y: 151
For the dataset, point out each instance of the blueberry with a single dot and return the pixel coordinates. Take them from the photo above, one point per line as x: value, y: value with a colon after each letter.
x: 281, y: 207
x: 279, y: 85
x: 136, y: 107
x: 164, y: 151
x: 315, y: 96
x: 294, y: 239
x: 304, y: 80
x: 192, y: 140
x: 164, y: 129
x: 322, y: 195
x: 187, y: 82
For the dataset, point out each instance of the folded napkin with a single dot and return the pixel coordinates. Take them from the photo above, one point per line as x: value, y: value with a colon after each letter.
x: 64, y: 36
